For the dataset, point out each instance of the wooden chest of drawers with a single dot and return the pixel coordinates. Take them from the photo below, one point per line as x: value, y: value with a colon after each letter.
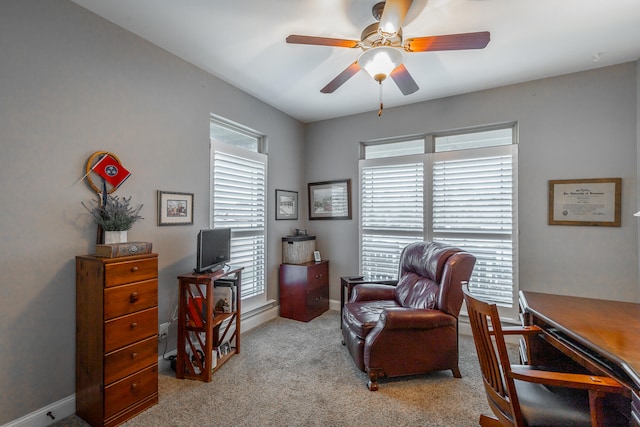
x: 116, y: 337
x: 304, y: 290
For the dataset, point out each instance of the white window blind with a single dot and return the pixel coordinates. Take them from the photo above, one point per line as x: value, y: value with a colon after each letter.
x: 239, y: 202
x: 392, y: 213
x: 473, y: 207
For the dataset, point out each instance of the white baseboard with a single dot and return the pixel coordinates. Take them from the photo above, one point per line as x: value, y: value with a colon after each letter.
x: 43, y: 416
x: 257, y: 318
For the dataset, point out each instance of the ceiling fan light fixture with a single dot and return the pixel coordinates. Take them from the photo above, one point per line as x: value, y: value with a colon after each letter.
x: 380, y: 61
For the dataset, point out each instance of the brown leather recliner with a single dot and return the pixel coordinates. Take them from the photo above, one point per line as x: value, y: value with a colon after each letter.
x: 412, y: 327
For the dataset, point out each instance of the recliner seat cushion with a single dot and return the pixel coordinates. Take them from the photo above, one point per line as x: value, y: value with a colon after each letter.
x: 361, y: 317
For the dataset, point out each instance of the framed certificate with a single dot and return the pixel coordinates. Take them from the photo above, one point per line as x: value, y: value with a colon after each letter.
x: 585, y: 202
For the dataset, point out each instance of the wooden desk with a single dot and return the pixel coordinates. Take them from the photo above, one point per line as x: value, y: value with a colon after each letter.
x: 603, y: 336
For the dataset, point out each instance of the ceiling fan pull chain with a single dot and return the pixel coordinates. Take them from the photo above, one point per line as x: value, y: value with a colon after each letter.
x: 380, y: 96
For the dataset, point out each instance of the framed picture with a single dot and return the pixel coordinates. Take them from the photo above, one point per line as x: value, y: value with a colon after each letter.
x: 286, y: 204
x: 330, y: 199
x: 175, y: 208
x: 585, y: 202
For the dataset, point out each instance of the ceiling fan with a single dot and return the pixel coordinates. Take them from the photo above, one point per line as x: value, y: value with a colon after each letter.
x: 383, y: 47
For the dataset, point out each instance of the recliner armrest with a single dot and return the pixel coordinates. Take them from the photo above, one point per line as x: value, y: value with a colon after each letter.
x: 372, y: 292
x: 383, y: 282
x: 412, y: 318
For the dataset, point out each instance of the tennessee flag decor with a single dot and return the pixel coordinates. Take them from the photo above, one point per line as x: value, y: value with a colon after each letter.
x: 107, y: 166
x: 111, y: 170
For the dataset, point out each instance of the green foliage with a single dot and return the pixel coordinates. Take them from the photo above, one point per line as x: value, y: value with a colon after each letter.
x: 115, y: 215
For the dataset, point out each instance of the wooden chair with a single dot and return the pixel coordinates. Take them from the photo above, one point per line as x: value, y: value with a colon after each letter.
x: 521, y: 395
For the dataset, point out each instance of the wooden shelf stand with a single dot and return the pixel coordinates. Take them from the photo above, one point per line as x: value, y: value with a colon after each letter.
x: 203, y: 329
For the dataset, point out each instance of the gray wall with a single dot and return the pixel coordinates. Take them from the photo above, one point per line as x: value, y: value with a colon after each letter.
x: 72, y: 84
x: 580, y: 125
x: 638, y: 141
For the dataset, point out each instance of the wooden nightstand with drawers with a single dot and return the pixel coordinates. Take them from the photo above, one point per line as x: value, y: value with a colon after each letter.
x: 116, y: 337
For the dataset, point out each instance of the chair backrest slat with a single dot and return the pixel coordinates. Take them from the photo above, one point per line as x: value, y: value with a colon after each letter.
x: 494, y: 359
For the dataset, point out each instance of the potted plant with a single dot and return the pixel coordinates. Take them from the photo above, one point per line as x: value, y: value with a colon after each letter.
x: 115, y: 216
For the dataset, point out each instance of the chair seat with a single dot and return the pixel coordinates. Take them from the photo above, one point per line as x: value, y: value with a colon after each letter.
x: 544, y: 406
x: 361, y: 317
x: 562, y: 407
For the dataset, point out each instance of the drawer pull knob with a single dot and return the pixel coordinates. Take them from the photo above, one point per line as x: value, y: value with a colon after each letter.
x: 134, y: 297
x: 134, y: 269
x: 134, y: 325
x: 134, y: 386
x: 134, y: 355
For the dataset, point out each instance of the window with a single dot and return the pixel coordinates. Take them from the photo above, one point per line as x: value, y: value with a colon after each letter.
x: 238, y: 201
x: 465, y: 141
x: 393, y: 148
x: 463, y: 194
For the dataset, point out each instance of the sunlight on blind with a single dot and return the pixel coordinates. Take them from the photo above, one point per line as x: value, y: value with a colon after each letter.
x: 473, y: 209
x: 473, y: 195
x: 392, y: 212
x: 249, y: 251
x: 239, y: 188
x: 239, y: 195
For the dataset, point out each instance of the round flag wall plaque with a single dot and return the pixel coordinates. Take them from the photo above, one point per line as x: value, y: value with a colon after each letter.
x: 107, y: 166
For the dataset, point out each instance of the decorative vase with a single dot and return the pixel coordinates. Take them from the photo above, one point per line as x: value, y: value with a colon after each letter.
x: 115, y: 237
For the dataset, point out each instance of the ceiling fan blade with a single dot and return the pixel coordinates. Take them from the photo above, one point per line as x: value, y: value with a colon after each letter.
x: 322, y: 41
x: 393, y: 16
x: 341, y: 78
x: 403, y: 79
x: 448, y: 42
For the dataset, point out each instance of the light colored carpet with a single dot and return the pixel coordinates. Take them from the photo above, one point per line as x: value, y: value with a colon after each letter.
x: 293, y: 373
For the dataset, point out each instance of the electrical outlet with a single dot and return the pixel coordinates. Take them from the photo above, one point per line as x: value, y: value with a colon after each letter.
x: 163, y: 331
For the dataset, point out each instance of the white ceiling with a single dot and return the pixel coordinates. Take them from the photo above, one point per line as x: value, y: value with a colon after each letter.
x: 243, y: 43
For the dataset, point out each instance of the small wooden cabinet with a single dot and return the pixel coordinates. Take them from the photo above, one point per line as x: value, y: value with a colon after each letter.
x: 304, y: 290
x: 116, y: 337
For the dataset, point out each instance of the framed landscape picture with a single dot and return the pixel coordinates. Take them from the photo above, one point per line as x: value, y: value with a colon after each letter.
x: 175, y: 208
x: 286, y: 204
x: 330, y: 199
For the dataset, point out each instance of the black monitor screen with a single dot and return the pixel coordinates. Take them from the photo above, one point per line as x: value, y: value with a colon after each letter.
x: 214, y: 249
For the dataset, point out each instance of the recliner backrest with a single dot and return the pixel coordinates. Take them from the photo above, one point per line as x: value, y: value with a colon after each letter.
x: 426, y: 275
x: 415, y: 291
